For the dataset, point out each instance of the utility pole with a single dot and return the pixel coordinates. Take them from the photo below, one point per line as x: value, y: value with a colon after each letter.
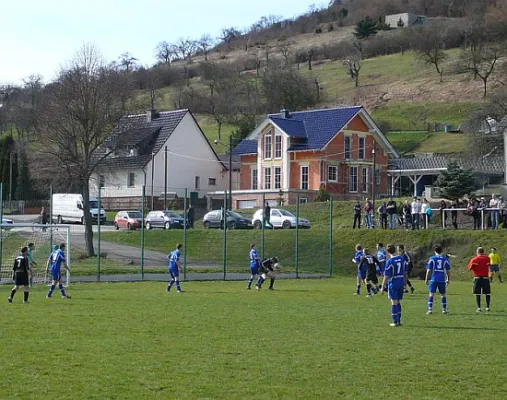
x: 374, y: 182
x: 230, y: 173
x: 165, y: 178
x: 152, y: 174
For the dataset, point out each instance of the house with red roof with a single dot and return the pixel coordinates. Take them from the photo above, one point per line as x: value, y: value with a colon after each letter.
x: 292, y: 155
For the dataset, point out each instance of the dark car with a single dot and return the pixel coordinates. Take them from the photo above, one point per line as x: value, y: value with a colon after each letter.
x: 164, y: 219
x: 213, y: 219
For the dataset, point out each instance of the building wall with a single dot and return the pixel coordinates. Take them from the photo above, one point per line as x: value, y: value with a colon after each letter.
x: 247, y: 162
x: 117, y: 183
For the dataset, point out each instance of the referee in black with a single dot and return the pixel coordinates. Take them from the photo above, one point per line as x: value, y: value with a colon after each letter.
x: 21, y: 272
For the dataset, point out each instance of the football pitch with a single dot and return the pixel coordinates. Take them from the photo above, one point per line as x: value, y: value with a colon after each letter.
x: 308, y: 339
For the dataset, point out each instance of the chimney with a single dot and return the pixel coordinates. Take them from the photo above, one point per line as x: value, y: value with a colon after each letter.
x: 151, y: 115
x: 285, y: 114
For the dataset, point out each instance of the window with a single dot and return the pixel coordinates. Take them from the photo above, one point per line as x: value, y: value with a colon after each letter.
x: 303, y: 200
x: 365, y: 179
x: 353, y: 179
x: 278, y: 146
x: 304, y: 177
x: 254, y: 182
x: 102, y: 181
x: 212, y: 181
x: 332, y: 172
x: 267, y: 146
x: 347, y: 147
x: 267, y: 178
x: 131, y: 182
x: 361, y: 147
x: 278, y: 178
x: 197, y: 182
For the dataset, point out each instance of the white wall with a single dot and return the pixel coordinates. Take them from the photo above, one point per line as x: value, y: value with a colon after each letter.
x: 116, y: 184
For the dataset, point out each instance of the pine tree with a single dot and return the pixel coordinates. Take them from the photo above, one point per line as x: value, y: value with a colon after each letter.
x: 23, y: 184
x: 456, y: 182
x: 366, y: 28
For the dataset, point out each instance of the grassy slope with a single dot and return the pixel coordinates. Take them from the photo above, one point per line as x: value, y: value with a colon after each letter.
x: 307, y: 339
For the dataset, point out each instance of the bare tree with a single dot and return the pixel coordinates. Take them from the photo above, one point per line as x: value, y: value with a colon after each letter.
x: 310, y: 55
x: 127, y: 61
x: 185, y: 48
x: 165, y: 52
x: 285, y: 50
x: 429, y: 44
x: 79, y: 109
x: 205, y: 43
x: 353, y: 66
x: 228, y: 35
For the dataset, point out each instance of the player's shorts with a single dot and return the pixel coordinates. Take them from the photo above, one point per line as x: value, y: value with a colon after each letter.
x: 441, y: 286
x: 482, y: 286
x: 395, y: 292
x: 372, y: 277
x: 269, y: 274
x: 174, y: 272
x: 361, y: 273
x: 380, y: 270
x: 21, y: 279
x: 56, y: 274
x: 494, y: 268
x: 254, y: 270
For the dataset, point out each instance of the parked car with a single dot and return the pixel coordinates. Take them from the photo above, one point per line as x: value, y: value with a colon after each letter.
x: 164, y: 219
x: 213, y: 219
x: 68, y: 207
x: 7, y: 221
x: 280, y: 218
x: 131, y: 219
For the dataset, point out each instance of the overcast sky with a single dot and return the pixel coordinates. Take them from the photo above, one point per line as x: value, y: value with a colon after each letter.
x: 37, y: 36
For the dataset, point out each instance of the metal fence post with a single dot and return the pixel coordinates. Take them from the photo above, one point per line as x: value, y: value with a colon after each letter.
x: 50, y: 218
x: 263, y: 221
x: 98, y: 233
x: 143, y: 197
x: 482, y: 219
x: 224, y: 220
x: 297, y: 238
x: 1, y: 222
x: 330, y: 236
x: 185, y: 217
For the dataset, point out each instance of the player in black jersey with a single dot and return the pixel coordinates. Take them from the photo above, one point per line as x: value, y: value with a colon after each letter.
x: 266, y: 268
x: 370, y: 263
x: 21, y: 275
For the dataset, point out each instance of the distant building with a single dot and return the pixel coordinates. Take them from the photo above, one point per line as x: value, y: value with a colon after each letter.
x: 407, y: 20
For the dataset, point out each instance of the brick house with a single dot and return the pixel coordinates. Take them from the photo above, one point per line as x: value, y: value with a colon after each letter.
x: 295, y: 154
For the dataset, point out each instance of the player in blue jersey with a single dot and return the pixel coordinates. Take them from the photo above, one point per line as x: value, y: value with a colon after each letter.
x: 361, y: 270
x: 175, y: 268
x: 254, y: 265
x: 438, y: 277
x: 395, y: 274
x: 54, y: 265
x: 382, y: 258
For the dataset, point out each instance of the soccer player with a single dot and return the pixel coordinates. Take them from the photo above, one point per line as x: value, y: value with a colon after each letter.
x: 494, y: 265
x: 370, y: 263
x: 254, y: 264
x: 56, y: 259
x: 382, y: 258
x: 175, y: 268
x: 31, y: 249
x: 437, y: 277
x: 21, y: 272
x: 361, y: 273
x: 410, y: 265
x: 480, y: 267
x: 266, y: 269
x: 395, y: 274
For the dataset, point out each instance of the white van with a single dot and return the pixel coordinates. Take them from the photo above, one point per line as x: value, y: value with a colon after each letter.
x: 68, y: 207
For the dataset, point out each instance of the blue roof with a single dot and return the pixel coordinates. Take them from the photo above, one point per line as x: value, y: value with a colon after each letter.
x: 291, y: 127
x: 320, y: 125
x: 245, y: 147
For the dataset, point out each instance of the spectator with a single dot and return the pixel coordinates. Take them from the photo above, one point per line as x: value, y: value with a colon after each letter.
x: 368, y: 214
x: 472, y: 209
x: 382, y: 212
x: 267, y: 216
x: 43, y: 218
x: 191, y: 216
x: 443, y: 213
x: 454, y: 215
x: 416, y: 211
x: 392, y: 213
x: 407, y: 214
x: 494, y: 203
x: 357, y: 215
x: 483, y: 214
x: 503, y: 213
x: 425, y: 214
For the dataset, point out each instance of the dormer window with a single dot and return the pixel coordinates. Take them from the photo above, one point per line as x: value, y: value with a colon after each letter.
x: 133, y: 152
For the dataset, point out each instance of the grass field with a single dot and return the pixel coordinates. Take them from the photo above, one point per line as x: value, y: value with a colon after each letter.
x: 306, y: 339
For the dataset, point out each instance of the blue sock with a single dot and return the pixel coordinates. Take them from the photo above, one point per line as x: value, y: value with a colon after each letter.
x: 178, y: 286
x: 394, y: 312
x: 430, y: 302
x: 374, y: 289
x: 358, y: 289
x: 51, y: 289
x: 259, y: 281
x: 171, y: 283
x: 444, y: 303
x: 399, y: 314
x: 250, y: 282
x: 60, y: 286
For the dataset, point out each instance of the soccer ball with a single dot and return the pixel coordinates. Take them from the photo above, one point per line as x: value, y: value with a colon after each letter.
x: 276, y: 267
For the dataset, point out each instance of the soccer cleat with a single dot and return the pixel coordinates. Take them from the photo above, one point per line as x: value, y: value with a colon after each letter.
x: 356, y: 294
x: 429, y: 312
x: 479, y: 310
x: 9, y: 300
x: 399, y: 324
x: 405, y: 291
x: 488, y: 309
x: 271, y: 288
x: 393, y: 324
x: 168, y: 289
x: 66, y: 297
x: 26, y: 302
x: 180, y: 291
x: 248, y: 288
x: 257, y: 288
x: 49, y: 297
x: 369, y: 296
x: 412, y: 290
x: 445, y: 312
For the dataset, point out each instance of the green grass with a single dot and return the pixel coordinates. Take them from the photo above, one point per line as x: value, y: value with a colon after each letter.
x: 307, y: 339
x: 406, y: 141
x: 441, y: 142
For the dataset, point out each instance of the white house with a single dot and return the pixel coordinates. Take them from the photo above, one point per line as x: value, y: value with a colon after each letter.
x: 407, y: 19
x: 137, y: 147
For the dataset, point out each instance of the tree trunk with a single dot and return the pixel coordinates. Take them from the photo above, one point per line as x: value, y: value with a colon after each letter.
x: 89, y: 249
x: 356, y: 79
x: 309, y: 64
x: 219, y: 129
x: 205, y: 56
x: 485, y: 81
